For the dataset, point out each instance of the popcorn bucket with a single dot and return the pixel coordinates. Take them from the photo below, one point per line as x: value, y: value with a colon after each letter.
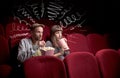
x: 47, y: 51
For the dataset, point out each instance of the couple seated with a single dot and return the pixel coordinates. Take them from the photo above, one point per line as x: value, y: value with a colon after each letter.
x: 35, y: 46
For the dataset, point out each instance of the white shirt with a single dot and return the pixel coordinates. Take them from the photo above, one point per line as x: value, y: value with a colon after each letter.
x: 26, y: 49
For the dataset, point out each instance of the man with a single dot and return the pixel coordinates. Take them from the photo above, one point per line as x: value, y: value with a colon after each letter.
x: 29, y: 46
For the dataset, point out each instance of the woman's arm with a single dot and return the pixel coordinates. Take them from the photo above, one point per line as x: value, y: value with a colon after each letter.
x: 59, y: 53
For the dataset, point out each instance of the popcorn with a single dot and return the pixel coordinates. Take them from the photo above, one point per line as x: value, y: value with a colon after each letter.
x: 44, y: 51
x: 37, y: 53
x: 46, y: 48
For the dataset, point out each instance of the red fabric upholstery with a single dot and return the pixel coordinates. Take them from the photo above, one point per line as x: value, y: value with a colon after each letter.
x: 81, y: 65
x: 15, y: 32
x: 44, y: 67
x: 46, y: 33
x: 96, y: 42
x: 109, y: 61
x: 119, y: 51
x: 2, y: 30
x: 77, y: 42
x: 5, y: 71
x: 4, y: 50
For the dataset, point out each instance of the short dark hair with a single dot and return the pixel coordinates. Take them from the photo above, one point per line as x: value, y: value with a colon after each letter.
x: 35, y: 25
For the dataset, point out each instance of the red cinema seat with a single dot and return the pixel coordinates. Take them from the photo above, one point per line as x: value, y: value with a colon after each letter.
x: 96, y: 42
x: 81, y: 65
x: 5, y: 71
x: 15, y: 32
x: 119, y: 51
x: 77, y: 42
x: 44, y: 67
x: 109, y: 63
x: 5, y: 68
x: 2, y: 32
x: 4, y: 50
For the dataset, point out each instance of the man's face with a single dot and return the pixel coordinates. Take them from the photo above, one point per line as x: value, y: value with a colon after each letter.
x: 37, y: 33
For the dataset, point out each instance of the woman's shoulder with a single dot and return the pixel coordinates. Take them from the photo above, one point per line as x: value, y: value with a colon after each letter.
x: 48, y: 43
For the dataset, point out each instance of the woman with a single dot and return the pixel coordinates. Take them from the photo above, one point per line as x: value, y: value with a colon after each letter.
x: 56, y: 37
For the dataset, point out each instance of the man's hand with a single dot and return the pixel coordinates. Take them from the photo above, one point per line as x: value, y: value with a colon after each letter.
x: 41, y: 43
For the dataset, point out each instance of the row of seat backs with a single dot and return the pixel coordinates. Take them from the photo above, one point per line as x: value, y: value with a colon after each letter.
x: 92, y: 42
x: 105, y: 64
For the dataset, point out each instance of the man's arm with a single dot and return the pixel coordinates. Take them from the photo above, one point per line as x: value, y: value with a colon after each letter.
x: 23, y: 53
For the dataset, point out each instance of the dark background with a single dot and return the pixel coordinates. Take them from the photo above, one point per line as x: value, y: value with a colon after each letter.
x: 102, y: 16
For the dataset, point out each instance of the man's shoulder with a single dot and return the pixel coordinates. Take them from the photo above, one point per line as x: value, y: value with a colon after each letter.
x: 25, y: 39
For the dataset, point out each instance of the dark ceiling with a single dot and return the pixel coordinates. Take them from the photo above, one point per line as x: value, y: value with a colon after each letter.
x: 7, y: 5
x: 101, y: 14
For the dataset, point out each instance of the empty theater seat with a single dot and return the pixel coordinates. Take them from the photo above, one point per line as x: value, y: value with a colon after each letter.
x: 81, y: 65
x: 15, y: 32
x: 77, y: 42
x: 109, y: 63
x: 96, y: 42
x: 119, y: 51
x: 2, y: 32
x: 5, y: 71
x: 5, y: 68
x: 4, y: 50
x: 44, y: 67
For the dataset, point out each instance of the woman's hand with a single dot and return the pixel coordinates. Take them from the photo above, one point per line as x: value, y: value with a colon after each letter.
x: 60, y: 53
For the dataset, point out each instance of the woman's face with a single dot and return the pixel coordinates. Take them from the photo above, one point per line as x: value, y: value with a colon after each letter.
x: 58, y: 34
